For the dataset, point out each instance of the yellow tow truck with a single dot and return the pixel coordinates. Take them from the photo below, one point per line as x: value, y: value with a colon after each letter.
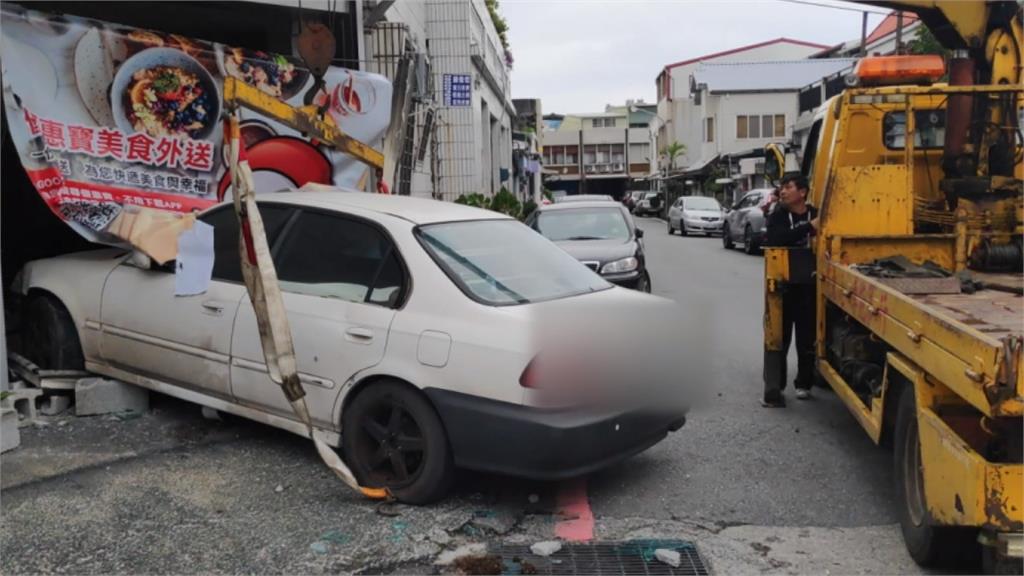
x: 917, y: 263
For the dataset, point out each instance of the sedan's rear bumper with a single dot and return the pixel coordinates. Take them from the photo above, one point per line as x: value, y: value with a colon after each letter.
x: 544, y: 444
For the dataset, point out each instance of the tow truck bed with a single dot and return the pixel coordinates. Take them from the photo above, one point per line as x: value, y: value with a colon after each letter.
x: 992, y: 312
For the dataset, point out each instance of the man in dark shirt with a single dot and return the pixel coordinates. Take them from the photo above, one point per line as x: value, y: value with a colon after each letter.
x: 791, y: 223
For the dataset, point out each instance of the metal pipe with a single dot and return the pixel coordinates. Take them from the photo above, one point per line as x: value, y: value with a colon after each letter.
x: 955, y: 160
x: 863, y: 35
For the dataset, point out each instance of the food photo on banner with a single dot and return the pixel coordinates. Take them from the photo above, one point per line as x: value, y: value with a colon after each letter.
x: 107, y: 117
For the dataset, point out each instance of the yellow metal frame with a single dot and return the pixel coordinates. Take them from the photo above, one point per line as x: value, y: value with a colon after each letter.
x: 305, y: 119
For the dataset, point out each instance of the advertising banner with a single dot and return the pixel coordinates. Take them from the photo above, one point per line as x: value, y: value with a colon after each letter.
x: 106, y: 116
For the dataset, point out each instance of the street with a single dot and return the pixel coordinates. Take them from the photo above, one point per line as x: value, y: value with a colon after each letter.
x: 799, y: 490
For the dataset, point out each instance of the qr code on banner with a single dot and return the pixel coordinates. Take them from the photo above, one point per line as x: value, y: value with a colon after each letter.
x: 95, y: 215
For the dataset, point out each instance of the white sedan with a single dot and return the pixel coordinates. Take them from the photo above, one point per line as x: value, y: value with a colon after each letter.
x: 417, y: 328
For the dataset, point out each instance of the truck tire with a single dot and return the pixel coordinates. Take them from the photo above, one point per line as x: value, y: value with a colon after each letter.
x: 929, y: 544
x: 51, y: 338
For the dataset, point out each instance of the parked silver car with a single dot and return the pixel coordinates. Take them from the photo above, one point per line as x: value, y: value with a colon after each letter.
x: 745, y: 222
x: 691, y: 214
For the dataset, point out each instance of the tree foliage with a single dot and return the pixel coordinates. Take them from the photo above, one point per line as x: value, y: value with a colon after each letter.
x: 673, y: 151
x: 924, y: 42
x: 501, y: 26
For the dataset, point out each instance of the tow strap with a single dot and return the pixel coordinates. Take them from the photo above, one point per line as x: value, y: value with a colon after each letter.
x: 265, y: 293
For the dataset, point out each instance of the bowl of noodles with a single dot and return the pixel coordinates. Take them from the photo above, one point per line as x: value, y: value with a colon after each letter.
x: 165, y: 92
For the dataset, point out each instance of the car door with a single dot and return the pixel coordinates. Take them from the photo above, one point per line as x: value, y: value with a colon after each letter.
x: 182, y: 340
x: 341, y: 279
x: 751, y: 204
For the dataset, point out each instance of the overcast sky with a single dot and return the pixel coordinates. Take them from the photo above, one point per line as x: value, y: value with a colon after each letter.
x: 578, y: 55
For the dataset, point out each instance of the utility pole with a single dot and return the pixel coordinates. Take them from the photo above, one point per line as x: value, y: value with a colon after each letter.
x: 583, y: 171
x: 899, y: 33
x: 864, y: 35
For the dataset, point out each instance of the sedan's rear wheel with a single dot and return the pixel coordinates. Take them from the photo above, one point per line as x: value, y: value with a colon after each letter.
x: 392, y: 437
x: 51, y: 339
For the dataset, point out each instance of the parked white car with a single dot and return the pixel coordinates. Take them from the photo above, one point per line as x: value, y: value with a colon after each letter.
x: 692, y: 214
x: 414, y: 324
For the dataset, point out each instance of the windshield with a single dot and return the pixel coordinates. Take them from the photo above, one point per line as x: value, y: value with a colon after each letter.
x: 701, y: 203
x: 583, y: 224
x: 502, y: 262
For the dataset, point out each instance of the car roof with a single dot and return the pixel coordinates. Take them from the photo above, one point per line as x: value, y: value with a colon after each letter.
x: 415, y: 210
x: 696, y: 196
x: 580, y: 204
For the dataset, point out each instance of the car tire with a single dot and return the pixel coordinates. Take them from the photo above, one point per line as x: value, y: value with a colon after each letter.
x: 372, y: 437
x: 749, y: 246
x: 929, y: 544
x: 50, y: 336
x: 682, y: 228
x: 670, y: 229
x: 727, y: 238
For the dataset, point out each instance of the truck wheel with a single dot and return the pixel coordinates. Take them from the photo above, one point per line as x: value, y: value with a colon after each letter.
x: 51, y: 338
x: 392, y: 437
x: 929, y: 544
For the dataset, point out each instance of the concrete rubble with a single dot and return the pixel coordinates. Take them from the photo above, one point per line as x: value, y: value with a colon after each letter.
x: 546, y: 548
x: 95, y: 396
x: 10, y: 436
x: 670, y: 557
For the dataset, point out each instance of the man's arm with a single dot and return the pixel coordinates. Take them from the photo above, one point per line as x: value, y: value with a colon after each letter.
x: 780, y: 234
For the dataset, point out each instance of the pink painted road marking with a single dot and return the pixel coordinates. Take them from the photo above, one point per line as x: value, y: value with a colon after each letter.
x: 574, y: 507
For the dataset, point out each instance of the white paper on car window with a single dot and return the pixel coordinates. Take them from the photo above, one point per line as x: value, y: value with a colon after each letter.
x: 194, y: 268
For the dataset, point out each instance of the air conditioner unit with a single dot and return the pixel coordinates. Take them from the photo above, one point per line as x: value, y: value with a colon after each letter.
x: 604, y: 168
x: 618, y: 168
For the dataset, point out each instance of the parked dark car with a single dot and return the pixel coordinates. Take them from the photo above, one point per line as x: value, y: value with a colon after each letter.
x: 601, y: 235
x: 631, y: 198
x: 745, y: 222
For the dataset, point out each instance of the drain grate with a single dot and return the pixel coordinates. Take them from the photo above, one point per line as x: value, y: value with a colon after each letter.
x: 612, y: 558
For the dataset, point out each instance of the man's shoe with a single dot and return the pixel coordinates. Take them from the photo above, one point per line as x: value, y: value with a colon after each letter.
x: 803, y: 394
x: 776, y: 402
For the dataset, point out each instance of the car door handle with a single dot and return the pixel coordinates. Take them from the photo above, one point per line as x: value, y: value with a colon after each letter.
x: 362, y: 335
x: 213, y: 307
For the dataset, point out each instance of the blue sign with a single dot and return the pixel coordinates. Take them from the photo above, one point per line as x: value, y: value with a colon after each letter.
x: 458, y: 90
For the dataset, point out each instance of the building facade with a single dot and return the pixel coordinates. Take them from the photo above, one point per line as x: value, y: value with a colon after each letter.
x: 457, y: 123
x: 599, y: 153
x: 674, y: 106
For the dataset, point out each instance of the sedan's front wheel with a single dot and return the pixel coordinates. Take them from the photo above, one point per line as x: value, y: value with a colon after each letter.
x: 392, y: 437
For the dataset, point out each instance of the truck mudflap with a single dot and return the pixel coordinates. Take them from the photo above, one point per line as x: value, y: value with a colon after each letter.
x: 964, y: 489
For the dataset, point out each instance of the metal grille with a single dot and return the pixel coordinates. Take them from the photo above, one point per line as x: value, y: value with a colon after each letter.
x: 618, y: 558
x: 387, y: 45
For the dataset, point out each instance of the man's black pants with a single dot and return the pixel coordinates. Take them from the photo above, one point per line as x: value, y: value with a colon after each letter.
x: 798, y: 312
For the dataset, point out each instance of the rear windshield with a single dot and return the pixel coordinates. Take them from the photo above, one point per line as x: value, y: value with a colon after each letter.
x: 502, y: 262
x: 701, y: 203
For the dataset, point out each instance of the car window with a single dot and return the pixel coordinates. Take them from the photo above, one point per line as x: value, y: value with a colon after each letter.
x: 226, y: 264
x: 502, y: 262
x: 333, y: 257
x: 751, y: 200
x: 584, y: 224
x: 702, y: 203
x: 387, y: 289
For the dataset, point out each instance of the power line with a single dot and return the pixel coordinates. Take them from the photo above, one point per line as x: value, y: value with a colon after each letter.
x: 847, y: 8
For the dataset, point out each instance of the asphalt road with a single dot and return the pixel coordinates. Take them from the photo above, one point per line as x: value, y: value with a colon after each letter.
x: 800, y: 490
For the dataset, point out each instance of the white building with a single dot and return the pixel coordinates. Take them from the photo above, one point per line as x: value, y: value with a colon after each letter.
x: 674, y: 94
x: 601, y: 152
x: 735, y: 109
x: 458, y: 139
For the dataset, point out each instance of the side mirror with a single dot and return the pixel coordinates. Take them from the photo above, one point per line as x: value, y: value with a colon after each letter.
x: 639, y: 233
x: 774, y: 163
